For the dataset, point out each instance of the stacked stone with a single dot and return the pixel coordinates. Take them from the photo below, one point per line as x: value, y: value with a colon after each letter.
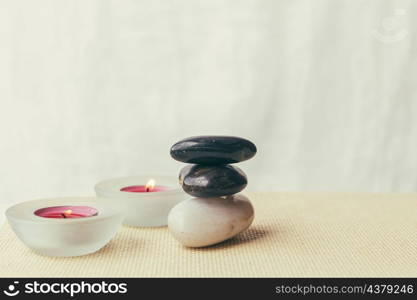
x: 218, y: 212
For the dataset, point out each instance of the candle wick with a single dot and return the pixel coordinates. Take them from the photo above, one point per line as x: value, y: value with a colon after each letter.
x: 147, y: 189
x: 64, y: 215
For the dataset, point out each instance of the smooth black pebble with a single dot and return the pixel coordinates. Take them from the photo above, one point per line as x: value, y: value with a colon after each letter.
x: 212, y: 181
x: 213, y: 150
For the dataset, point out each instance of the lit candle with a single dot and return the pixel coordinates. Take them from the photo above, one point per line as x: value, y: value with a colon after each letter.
x: 66, y: 212
x: 146, y: 205
x: 149, y: 187
x: 65, y: 226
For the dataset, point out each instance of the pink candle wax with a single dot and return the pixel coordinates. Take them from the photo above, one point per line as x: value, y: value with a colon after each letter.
x: 144, y: 189
x: 66, y: 212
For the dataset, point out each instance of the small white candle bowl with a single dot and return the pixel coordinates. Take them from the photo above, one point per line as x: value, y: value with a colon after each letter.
x: 65, y: 236
x: 143, y: 209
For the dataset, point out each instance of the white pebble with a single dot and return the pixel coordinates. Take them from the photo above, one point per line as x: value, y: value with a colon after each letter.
x: 200, y: 222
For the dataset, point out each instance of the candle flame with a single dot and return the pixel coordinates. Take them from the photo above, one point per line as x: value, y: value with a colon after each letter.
x: 150, y: 185
x: 67, y: 212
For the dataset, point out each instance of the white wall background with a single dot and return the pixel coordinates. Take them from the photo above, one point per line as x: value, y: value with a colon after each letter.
x: 97, y: 89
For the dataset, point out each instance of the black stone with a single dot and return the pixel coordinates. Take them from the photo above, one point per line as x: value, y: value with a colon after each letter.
x: 212, y: 181
x: 213, y: 150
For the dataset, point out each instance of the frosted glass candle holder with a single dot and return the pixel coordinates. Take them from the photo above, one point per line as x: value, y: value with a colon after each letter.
x: 66, y: 236
x: 143, y: 209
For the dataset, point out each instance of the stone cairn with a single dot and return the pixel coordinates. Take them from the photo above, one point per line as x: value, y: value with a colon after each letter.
x: 217, y: 212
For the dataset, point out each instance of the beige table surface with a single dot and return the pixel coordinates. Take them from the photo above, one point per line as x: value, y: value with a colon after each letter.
x: 294, y: 234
